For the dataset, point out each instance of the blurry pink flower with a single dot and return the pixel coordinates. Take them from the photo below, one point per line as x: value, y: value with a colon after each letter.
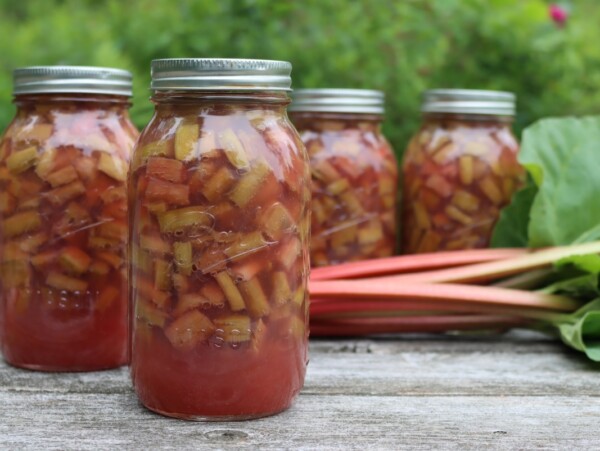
x: 558, y: 14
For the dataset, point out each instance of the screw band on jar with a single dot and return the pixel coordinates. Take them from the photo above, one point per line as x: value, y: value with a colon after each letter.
x: 72, y: 79
x: 220, y: 74
x: 469, y: 101
x: 358, y: 101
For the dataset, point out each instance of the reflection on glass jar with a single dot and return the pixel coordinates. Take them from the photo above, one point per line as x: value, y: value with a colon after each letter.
x: 354, y: 174
x: 219, y: 219
x: 459, y: 170
x: 63, y: 169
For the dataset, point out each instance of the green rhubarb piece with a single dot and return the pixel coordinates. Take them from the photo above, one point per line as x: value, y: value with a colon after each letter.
x: 65, y: 193
x: 190, y: 329
x: 23, y: 222
x: 113, y: 166
x: 249, y: 185
x: 99, y: 268
x: 43, y: 259
x: 63, y: 176
x: 177, y: 221
x: 219, y: 184
x: 140, y: 259
x: 101, y: 243
x: 282, y: 292
x: 63, y: 282
x: 247, y: 244
x: 234, y: 149
x: 114, y: 229
x: 232, y: 294
x: 22, y: 160
x: 155, y: 148
x: 45, y: 163
x: 112, y: 259
x: 233, y: 328
x: 12, y: 251
x: 150, y: 314
x: 7, y: 203
x: 162, y: 274
x: 289, y: 252
x: 166, y: 168
x: 299, y: 296
x: 255, y: 298
x: 182, y: 252
x: 186, y: 140
x: 32, y: 242
x: 74, y: 260
x: 145, y: 288
x: 154, y: 244
x: 277, y: 221
x: 370, y: 233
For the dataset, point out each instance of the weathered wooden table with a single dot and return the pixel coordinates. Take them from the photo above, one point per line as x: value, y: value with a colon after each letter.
x: 519, y: 390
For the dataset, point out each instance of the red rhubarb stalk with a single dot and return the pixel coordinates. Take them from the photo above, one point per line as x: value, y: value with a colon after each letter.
x: 412, y: 263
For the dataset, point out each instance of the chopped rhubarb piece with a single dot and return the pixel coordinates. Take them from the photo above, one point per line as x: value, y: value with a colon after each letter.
x: 255, y: 299
x: 439, y: 184
x: 113, y: 229
x: 112, y: 259
x: 190, y: 329
x: 351, y: 203
x: 421, y: 215
x: 19, y: 223
x: 113, y: 194
x: 12, y: 252
x: 491, y: 190
x: 465, y: 201
x: 219, y: 184
x: 15, y: 274
x: 154, y: 244
x: 74, y: 260
x: 370, y: 233
x: 234, y: 149
x: 323, y: 170
x: 465, y: 165
x: 232, y: 294
x: 281, y: 288
x: 157, y: 207
x: 113, y: 166
x: 190, y: 301
x: 247, y: 269
x: 7, y: 203
x: 22, y: 160
x: 211, y: 291
x: 249, y: 184
x: 289, y: 252
x: 107, y: 297
x: 166, y: 169
x: 99, y: 268
x: 31, y: 243
x: 36, y: 132
x: 65, y: 193
x: 299, y: 297
x: 338, y: 187
x: 149, y: 313
x: 62, y: 282
x: 181, y: 283
x: 182, y: 255
x: 43, y: 259
x: 162, y: 275
x: 145, y: 288
x: 233, y: 328
x: 180, y: 220
x: 345, y: 234
x: 207, y: 143
x: 186, y: 140
x: 277, y: 221
x: 155, y: 148
x: 85, y: 166
x: 172, y: 193
x: 103, y: 244
x: 63, y: 176
x: 458, y: 215
x: 247, y: 244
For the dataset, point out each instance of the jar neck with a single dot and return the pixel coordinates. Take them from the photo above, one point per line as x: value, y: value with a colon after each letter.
x: 467, y: 117
x: 309, y: 120
x: 252, y: 99
x: 58, y: 99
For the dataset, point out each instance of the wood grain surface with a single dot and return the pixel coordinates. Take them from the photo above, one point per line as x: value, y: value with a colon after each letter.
x: 515, y: 391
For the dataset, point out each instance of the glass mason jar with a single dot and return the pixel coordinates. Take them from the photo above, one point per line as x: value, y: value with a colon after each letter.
x: 63, y: 168
x: 219, y: 200
x: 459, y: 170
x: 354, y: 174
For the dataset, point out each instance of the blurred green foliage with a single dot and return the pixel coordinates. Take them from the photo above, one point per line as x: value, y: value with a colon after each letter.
x: 401, y: 47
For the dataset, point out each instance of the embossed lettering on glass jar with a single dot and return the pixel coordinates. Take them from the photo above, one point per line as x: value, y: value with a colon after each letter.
x: 459, y: 170
x: 63, y: 169
x: 219, y: 242
x: 354, y: 174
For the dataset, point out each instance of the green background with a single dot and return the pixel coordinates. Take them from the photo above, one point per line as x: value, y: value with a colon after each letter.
x: 401, y: 47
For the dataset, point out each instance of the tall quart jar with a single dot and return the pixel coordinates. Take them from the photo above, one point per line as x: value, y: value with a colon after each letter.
x: 459, y: 170
x: 354, y: 174
x: 219, y: 234
x: 63, y: 225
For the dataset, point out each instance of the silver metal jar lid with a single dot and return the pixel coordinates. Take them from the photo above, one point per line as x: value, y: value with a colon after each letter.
x: 338, y: 101
x: 72, y: 79
x: 220, y: 74
x: 469, y: 101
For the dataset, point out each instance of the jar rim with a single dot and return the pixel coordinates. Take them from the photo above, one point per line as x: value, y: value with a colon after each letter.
x: 338, y: 100
x: 220, y: 74
x: 72, y: 79
x: 469, y: 101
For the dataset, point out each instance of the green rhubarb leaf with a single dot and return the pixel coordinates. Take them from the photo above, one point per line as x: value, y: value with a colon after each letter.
x: 512, y: 226
x: 561, y: 156
x: 581, y: 330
